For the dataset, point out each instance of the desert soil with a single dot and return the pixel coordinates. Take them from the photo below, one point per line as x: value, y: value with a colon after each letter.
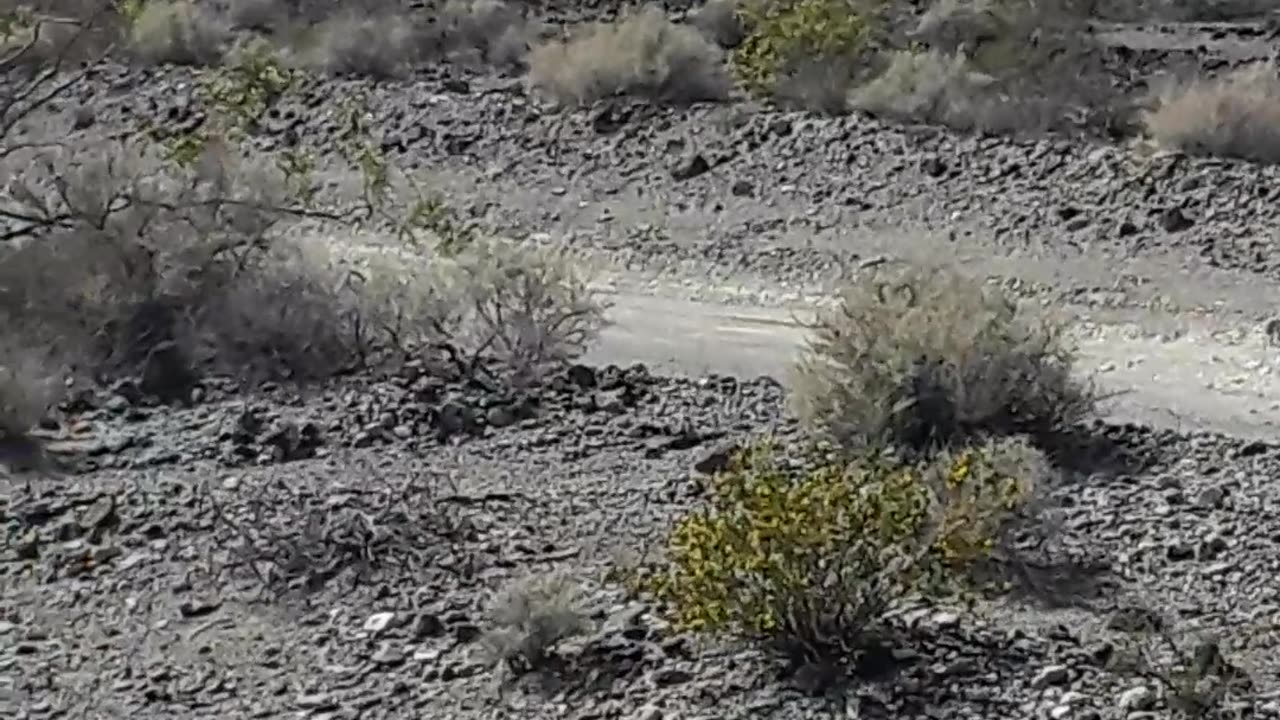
x: 116, y: 602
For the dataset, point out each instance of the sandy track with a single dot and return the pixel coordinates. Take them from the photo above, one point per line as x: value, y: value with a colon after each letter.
x: 1204, y: 378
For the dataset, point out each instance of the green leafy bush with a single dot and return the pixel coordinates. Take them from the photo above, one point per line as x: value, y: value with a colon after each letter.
x: 807, y: 559
x: 786, y: 34
x: 916, y: 359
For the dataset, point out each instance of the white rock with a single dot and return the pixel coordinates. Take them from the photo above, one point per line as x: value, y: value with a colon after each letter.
x: 1051, y: 675
x: 945, y: 620
x: 378, y: 622
x: 647, y: 712
x: 1059, y: 712
x: 1138, y: 697
x: 1071, y: 697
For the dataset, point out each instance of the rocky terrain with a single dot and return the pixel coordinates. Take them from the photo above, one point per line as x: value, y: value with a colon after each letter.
x: 333, y: 552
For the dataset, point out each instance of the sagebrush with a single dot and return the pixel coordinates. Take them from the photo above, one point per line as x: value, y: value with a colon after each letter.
x: 1236, y: 114
x: 643, y: 53
x: 918, y: 358
x: 531, y: 616
x: 381, y: 46
x: 179, y: 32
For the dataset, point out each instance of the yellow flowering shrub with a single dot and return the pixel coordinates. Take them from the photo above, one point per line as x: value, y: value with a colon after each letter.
x: 785, y: 32
x: 806, y: 558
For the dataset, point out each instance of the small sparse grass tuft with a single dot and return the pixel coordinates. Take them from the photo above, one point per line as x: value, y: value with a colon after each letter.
x: 914, y: 359
x: 1234, y: 115
x: 178, y: 32
x: 530, y: 617
x: 643, y: 54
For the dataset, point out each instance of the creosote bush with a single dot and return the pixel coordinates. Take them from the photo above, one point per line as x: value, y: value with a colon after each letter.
x: 914, y: 359
x: 807, y: 556
x: 177, y: 31
x: 785, y: 36
x: 1233, y: 115
x: 643, y: 54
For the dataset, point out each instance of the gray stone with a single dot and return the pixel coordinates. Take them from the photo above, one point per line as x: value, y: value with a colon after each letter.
x: 1209, y: 498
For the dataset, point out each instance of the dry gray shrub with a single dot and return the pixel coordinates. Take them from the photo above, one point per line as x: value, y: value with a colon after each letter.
x: 528, y: 311
x: 178, y: 32
x: 720, y: 22
x: 1020, y: 65
x: 1234, y: 115
x: 380, y: 46
x: 128, y: 254
x: 530, y: 617
x: 495, y: 32
x: 921, y: 87
x: 919, y: 358
x: 29, y: 387
x: 643, y: 53
x: 263, y: 15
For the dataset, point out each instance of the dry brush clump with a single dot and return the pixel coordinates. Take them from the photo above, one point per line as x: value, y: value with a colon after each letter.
x: 643, y: 54
x: 985, y: 65
x: 177, y: 31
x: 914, y: 359
x: 171, y: 258
x: 925, y: 86
x: 352, y: 44
x: 1236, y: 114
x: 530, y: 617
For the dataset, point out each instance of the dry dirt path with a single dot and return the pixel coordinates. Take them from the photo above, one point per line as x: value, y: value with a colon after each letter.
x: 1181, y: 373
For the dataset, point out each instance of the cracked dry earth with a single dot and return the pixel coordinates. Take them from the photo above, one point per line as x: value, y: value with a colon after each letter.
x: 124, y: 594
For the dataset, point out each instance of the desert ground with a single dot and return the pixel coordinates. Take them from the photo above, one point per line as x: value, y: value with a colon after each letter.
x: 415, y: 540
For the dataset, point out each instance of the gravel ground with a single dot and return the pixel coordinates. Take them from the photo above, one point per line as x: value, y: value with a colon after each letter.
x: 142, y: 582
x: 125, y: 594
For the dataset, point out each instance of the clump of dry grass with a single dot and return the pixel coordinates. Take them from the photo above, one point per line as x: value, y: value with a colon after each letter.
x: 28, y: 390
x: 530, y: 617
x: 1234, y: 115
x: 381, y: 46
x: 1004, y: 66
x: 488, y: 31
x: 921, y: 86
x: 643, y: 54
x: 178, y: 32
x: 721, y: 22
x: 920, y: 358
